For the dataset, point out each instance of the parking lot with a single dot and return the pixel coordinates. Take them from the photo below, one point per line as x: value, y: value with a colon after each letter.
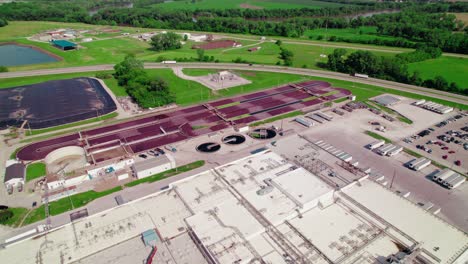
x: 347, y: 133
x: 445, y: 142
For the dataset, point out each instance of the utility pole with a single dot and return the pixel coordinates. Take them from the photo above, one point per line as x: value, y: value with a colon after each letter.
x: 393, y: 178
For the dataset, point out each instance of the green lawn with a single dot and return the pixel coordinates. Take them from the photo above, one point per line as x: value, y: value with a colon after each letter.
x: 114, y: 50
x: 79, y: 123
x: 91, y: 53
x: 65, y: 204
x: 35, y: 170
x: 360, y: 33
x: 451, y: 68
x: 378, y: 136
x: 20, y: 81
x: 187, y: 92
x: 279, y: 117
x: 258, y: 4
x: 190, y: 92
x: 167, y: 174
x: 364, y: 92
x: 390, y: 112
x: 18, y: 214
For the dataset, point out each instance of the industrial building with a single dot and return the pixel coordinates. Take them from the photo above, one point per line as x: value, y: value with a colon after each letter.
x: 151, y: 166
x: 15, y: 174
x: 258, y: 209
x: 63, y: 44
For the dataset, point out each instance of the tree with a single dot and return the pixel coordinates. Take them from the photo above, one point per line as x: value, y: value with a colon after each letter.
x: 287, y: 56
x: 167, y: 41
x: 185, y: 37
x: 200, y: 54
x: 363, y: 62
x: 3, y: 69
x: 3, y: 22
x: 336, y: 61
x: 128, y: 69
x: 279, y: 42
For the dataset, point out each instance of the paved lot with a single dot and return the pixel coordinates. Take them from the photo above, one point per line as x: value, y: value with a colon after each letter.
x: 438, y: 151
x: 347, y: 134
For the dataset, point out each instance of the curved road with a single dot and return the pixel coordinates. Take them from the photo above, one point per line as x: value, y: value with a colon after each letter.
x: 460, y: 99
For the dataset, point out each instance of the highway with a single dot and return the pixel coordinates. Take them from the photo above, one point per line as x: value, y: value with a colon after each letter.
x: 460, y: 99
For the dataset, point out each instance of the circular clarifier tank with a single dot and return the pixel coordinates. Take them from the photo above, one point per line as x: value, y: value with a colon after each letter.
x: 234, y: 139
x: 263, y: 133
x: 209, y: 147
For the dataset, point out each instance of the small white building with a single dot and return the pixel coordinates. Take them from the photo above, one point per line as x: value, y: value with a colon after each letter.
x: 153, y: 166
x: 87, y: 39
x: 15, y: 174
x: 55, y: 181
x: 197, y: 38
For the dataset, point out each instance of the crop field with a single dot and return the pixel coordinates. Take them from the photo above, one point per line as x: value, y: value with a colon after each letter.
x: 253, y: 4
x: 452, y: 69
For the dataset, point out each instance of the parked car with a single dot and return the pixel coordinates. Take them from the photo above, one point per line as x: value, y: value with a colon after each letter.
x: 34, y: 204
x: 142, y: 156
x: 451, y: 152
x: 444, y: 156
x: 445, y: 148
x: 457, y: 162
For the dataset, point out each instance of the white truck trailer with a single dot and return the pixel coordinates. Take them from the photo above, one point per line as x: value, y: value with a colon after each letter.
x: 395, y: 151
x: 419, y: 164
x: 376, y: 144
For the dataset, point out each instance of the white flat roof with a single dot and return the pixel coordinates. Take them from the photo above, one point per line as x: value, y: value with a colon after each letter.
x: 302, y: 185
x: 435, y: 235
x: 335, y: 230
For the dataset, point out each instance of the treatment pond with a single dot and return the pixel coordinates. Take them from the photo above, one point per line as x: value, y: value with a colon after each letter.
x: 16, y: 55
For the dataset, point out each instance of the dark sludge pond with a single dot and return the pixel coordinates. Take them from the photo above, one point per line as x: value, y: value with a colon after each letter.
x: 209, y: 147
x: 263, y: 133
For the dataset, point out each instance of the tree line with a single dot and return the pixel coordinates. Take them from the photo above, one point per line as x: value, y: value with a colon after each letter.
x: 146, y: 91
x: 3, y: 22
x: 415, y: 24
x: 393, y: 69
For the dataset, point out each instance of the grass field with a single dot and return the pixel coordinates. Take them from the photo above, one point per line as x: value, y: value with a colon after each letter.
x: 79, y: 123
x: 20, y: 81
x: 18, y: 214
x: 190, y: 92
x: 35, y: 170
x: 279, y: 117
x: 377, y: 136
x: 256, y: 4
x: 67, y: 204
x: 167, y: 174
x: 360, y: 33
x: 114, y: 50
x: 452, y: 69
